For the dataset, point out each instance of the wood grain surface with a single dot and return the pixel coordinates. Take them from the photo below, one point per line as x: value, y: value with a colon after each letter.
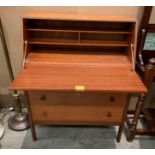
x: 85, y: 17
x: 66, y: 78
x: 82, y: 58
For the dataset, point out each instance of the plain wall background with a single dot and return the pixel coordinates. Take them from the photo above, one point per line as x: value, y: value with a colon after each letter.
x: 11, y: 21
x: 152, y: 18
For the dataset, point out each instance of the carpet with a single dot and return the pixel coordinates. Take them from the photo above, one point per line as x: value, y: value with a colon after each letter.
x: 71, y: 137
x: 83, y: 137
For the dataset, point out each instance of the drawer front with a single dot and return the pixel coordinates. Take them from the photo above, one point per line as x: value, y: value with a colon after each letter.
x: 69, y: 114
x: 77, y: 98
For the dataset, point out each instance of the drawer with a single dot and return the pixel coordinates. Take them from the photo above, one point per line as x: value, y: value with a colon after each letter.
x: 61, y: 114
x: 77, y: 98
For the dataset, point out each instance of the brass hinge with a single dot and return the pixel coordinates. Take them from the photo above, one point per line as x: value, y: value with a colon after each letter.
x: 133, y: 56
x: 25, y: 49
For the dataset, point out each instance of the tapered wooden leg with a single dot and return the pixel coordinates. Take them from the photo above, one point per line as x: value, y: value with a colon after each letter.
x: 133, y: 125
x: 34, y: 137
x: 120, y: 130
x: 121, y: 127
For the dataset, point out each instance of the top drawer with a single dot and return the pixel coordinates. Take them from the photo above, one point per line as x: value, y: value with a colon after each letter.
x: 77, y: 98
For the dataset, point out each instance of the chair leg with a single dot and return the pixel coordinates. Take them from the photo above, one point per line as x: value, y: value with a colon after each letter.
x: 133, y: 125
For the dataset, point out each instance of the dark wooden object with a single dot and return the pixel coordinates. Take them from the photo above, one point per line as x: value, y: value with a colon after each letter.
x: 146, y: 69
x: 149, y: 75
x: 133, y: 125
x: 78, y: 69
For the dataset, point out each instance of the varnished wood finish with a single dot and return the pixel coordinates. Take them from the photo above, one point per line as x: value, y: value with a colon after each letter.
x: 77, y: 17
x: 72, y: 107
x: 77, y: 98
x: 149, y: 74
x: 80, y: 31
x: 75, y: 42
x: 70, y: 114
x: 134, y: 122
x: 94, y: 79
x: 74, y: 58
x: 79, y: 69
x: 105, y: 31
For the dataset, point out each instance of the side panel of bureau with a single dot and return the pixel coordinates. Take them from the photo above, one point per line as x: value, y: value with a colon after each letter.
x: 77, y: 107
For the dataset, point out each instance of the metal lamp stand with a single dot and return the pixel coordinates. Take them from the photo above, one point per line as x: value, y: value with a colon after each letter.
x: 19, y: 121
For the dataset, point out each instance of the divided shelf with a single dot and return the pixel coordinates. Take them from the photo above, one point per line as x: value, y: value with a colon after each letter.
x: 80, y: 36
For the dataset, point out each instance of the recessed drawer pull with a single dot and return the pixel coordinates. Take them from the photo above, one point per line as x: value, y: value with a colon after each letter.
x: 112, y: 99
x: 109, y: 114
x: 45, y: 114
x: 43, y: 98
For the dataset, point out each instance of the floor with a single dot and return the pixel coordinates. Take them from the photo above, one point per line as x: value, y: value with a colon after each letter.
x: 71, y: 137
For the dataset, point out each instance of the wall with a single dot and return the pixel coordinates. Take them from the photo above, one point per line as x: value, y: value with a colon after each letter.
x: 152, y: 18
x: 11, y: 21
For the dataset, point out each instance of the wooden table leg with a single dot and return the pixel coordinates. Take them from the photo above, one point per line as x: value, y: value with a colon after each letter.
x: 133, y: 126
x: 34, y: 137
x: 120, y: 130
x: 121, y: 127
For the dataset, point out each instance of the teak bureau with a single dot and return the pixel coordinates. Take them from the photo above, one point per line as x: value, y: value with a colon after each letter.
x: 78, y: 69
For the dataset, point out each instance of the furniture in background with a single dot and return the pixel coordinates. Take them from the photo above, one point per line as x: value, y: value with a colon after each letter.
x: 78, y: 69
x: 145, y: 66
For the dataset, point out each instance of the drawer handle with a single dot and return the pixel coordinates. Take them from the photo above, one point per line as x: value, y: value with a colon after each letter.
x: 45, y: 114
x: 112, y: 99
x: 43, y: 98
x: 109, y: 114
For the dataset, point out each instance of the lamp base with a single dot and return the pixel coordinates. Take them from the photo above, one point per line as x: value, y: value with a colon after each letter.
x: 19, y: 122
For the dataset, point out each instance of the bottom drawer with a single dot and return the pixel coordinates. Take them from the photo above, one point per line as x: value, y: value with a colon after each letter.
x: 77, y: 114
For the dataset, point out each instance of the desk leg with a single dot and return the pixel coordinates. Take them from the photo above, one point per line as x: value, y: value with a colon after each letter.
x: 121, y: 127
x: 120, y: 130
x: 133, y: 125
x: 30, y: 117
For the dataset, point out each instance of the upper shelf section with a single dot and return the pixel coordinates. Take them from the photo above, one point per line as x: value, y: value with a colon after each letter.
x: 82, y: 33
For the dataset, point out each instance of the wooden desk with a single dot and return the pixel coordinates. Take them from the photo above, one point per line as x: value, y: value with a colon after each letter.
x: 78, y: 69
